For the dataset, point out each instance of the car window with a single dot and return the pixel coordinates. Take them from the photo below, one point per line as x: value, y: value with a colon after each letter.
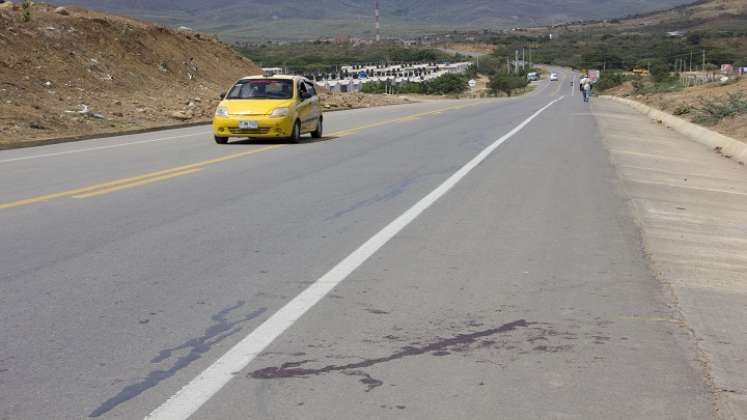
x: 301, y: 88
x: 310, y: 88
x: 262, y: 89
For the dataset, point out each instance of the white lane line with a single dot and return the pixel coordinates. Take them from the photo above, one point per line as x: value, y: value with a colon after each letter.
x: 198, y: 391
x: 111, y: 146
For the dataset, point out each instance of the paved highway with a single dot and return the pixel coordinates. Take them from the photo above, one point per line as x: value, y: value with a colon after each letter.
x: 442, y: 260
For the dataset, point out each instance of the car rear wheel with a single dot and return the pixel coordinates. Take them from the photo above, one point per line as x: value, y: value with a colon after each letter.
x: 221, y: 140
x: 296, y: 134
x: 319, y: 132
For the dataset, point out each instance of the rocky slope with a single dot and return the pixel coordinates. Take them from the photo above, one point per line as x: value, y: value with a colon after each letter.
x: 73, y: 72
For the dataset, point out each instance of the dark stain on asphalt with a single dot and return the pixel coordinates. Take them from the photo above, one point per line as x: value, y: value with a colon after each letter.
x: 195, y: 348
x: 460, y: 341
x: 552, y: 349
x: 391, y: 192
x: 376, y: 311
x: 366, y: 379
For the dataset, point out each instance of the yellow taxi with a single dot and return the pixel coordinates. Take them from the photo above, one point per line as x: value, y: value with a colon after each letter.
x: 269, y: 107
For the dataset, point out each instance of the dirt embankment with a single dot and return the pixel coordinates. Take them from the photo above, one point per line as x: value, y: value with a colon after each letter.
x: 73, y: 72
x: 468, y: 47
x: 686, y: 103
x: 341, y: 101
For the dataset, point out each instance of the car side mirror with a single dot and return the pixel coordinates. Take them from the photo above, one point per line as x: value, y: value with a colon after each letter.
x: 222, y: 96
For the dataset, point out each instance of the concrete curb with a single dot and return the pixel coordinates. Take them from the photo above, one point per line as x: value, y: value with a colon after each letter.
x: 729, y: 147
x: 70, y: 139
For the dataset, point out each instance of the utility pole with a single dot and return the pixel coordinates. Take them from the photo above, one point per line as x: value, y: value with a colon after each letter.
x: 516, y: 61
x: 691, y: 60
x: 704, y: 61
x: 531, y: 62
x: 508, y: 65
x: 523, y: 58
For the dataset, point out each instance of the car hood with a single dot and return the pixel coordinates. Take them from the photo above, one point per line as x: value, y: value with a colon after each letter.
x: 254, y: 106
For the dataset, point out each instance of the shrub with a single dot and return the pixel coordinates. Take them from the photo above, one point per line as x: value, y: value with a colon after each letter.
x: 711, y: 111
x: 682, y: 109
x: 507, y: 83
x: 610, y: 79
x: 490, y: 64
x: 26, y: 11
x: 447, y: 84
x: 660, y: 73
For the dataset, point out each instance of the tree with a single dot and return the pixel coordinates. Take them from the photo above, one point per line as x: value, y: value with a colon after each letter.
x: 446, y: 84
x: 660, y: 72
x: 506, y: 83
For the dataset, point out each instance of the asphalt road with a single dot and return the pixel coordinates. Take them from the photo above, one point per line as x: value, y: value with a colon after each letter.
x: 380, y: 273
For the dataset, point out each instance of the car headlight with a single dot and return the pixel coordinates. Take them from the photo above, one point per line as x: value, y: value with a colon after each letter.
x: 279, y: 112
x: 221, y: 111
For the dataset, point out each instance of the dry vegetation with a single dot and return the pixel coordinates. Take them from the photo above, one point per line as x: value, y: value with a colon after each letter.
x: 692, y: 104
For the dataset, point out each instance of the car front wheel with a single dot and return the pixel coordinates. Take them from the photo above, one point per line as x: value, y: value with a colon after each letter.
x: 296, y: 134
x: 221, y: 140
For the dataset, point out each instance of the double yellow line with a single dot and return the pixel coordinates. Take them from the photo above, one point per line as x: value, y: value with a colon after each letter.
x: 137, y: 181
x: 406, y: 118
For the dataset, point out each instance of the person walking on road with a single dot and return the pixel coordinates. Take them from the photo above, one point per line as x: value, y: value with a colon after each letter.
x: 586, y: 86
x: 581, y: 81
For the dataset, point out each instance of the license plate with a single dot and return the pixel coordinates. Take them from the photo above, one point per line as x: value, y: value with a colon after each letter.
x: 247, y: 125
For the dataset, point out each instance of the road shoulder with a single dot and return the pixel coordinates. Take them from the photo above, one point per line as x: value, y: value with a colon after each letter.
x: 691, y: 205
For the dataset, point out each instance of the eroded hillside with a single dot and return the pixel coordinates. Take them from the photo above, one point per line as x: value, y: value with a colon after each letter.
x: 73, y: 72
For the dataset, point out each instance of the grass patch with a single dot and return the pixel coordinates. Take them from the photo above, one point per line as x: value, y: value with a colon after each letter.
x: 644, y: 87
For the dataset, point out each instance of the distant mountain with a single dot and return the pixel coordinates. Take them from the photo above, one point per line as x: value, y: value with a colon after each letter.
x: 229, y: 16
x: 704, y: 15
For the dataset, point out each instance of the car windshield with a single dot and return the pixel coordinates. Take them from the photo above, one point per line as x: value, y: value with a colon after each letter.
x: 262, y: 89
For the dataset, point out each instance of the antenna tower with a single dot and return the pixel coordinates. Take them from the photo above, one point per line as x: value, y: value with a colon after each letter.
x: 378, y: 22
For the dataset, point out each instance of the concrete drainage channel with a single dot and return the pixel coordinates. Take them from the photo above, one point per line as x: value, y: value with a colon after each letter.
x: 727, y: 146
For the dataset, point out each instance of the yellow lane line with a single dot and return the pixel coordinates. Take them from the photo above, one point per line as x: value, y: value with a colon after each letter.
x: 95, y: 193
x: 406, y: 118
x: 90, y: 188
x: 124, y: 183
x: 560, y: 85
